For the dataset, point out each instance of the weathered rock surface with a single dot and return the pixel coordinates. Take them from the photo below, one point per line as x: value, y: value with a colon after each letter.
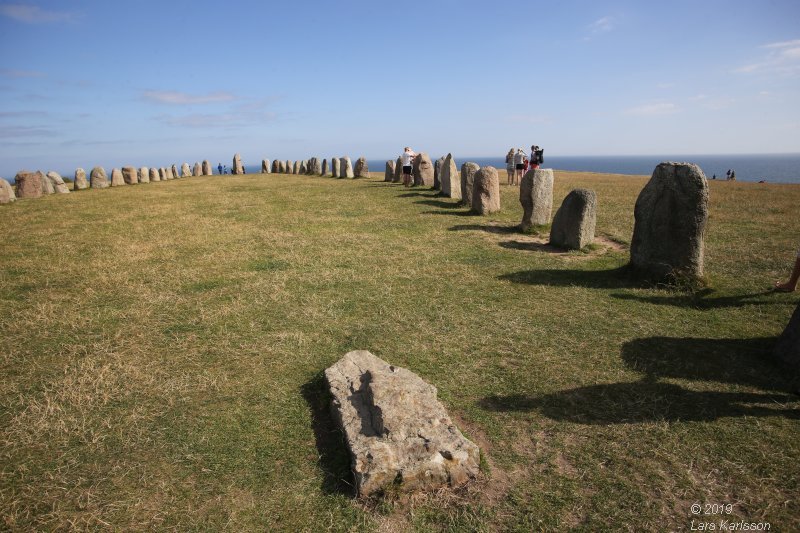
x: 129, y: 176
x: 423, y: 170
x: 186, y: 171
x: 174, y: 172
x: 787, y: 349
x: 362, y: 169
x: 397, y: 431
x: 324, y: 170
x: 116, y: 178
x: 80, y: 182
x: 47, y: 185
x: 536, y: 197
x: 289, y: 167
x: 398, y: 170
x: 163, y: 173
x: 437, y: 173
x: 276, y: 167
x: 468, y: 171
x: 237, y: 167
x: 485, y: 191
x: 98, y: 178
x: 197, y: 170
x: 316, y: 166
x: 347, y: 168
x: 265, y: 168
x: 296, y: 167
x: 574, y: 223
x: 6, y: 192
x: 207, y: 169
x: 336, y: 167
x: 303, y: 168
x: 144, y: 175
x: 670, y: 222
x: 450, y: 178
x: 154, y: 175
x: 388, y: 174
x: 29, y: 184
x: 57, y: 182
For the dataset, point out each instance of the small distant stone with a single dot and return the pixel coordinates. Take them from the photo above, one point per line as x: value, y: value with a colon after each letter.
x: 574, y: 223
x: 423, y: 170
x: 57, y: 182
x: 129, y: 175
x: 303, y: 168
x: 437, y: 173
x: 154, y: 176
x: 237, y: 167
x: 536, y: 197
x: 468, y: 171
x: 397, y: 431
x: 485, y: 191
x: 450, y: 178
x: 316, y: 166
x: 80, y: 182
x: 144, y: 175
x: 207, y: 168
x: 174, y: 172
x: 296, y: 167
x: 388, y: 174
x: 47, y: 185
x: 398, y: 170
x: 117, y: 179
x: 98, y: 178
x: 29, y: 184
x: 186, y: 171
x: 324, y: 170
x: 197, y: 170
x: 265, y: 168
x: 6, y: 192
x: 362, y: 169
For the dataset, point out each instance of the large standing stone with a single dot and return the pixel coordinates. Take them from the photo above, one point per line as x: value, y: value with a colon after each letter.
x: 57, y: 182
x: 362, y: 169
x: 398, y: 170
x: 397, y: 431
x: 116, y: 178
x: 422, y: 169
x: 670, y: 222
x: 186, y: 171
x: 80, y: 182
x: 296, y: 167
x: 289, y: 167
x: 316, y: 166
x: 276, y: 168
x: 237, y: 167
x: 144, y: 175
x: 154, y: 175
x: 265, y: 168
x: 174, y: 172
x: 98, y: 178
x: 197, y: 170
x: 163, y: 173
x: 129, y: 176
x: 47, y: 185
x: 303, y: 168
x: 347, y: 168
x: 324, y: 170
x: 468, y: 171
x: 787, y: 349
x: 207, y: 169
x: 437, y: 173
x: 6, y: 192
x: 388, y: 175
x: 485, y: 191
x: 574, y: 223
x: 450, y: 178
x: 536, y: 197
x: 29, y: 184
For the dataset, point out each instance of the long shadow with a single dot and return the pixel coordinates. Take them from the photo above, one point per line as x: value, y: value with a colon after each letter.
x: 701, y: 299
x: 451, y: 213
x: 499, y: 230
x: 417, y: 193
x: 735, y: 361
x: 439, y: 203
x: 597, y: 279
x: 531, y: 246
x: 334, y: 458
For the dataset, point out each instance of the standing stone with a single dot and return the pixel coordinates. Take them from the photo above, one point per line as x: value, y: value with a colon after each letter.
x: 468, y: 171
x: 6, y: 192
x: 398, y: 170
x: 396, y: 430
x: 275, y: 167
x: 47, y: 185
x: 186, y: 171
x: 303, y: 168
x: 29, y: 184
x: 265, y: 167
x: 437, y: 173
x: 317, y: 167
x: 574, y: 223
x: 670, y: 223
x: 336, y: 169
x: 485, y: 191
x: 324, y: 170
x: 197, y: 170
x: 129, y: 176
x: 422, y: 170
x: 346, y: 167
x: 362, y: 169
x: 450, y: 178
x: 116, y: 178
x: 57, y: 182
x: 536, y: 197
x: 388, y: 175
x: 237, y: 167
x: 296, y: 167
x: 162, y: 172
x: 80, y: 182
x: 289, y: 167
x: 98, y: 178
x: 174, y: 172
x: 787, y: 349
x: 154, y: 176
x: 207, y: 170
x: 144, y: 175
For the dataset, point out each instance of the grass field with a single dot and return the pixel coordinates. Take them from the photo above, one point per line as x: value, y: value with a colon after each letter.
x: 162, y: 348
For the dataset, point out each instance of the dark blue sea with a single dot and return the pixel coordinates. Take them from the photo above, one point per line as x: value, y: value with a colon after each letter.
x: 774, y: 168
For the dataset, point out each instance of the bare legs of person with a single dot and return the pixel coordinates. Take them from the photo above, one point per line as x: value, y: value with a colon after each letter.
x: 790, y: 285
x: 510, y: 175
x: 407, y: 180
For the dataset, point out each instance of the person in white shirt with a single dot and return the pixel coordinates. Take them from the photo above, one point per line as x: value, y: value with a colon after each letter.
x: 407, y: 160
x: 519, y: 165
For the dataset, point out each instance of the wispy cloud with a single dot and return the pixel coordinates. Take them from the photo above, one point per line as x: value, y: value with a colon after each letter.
x: 600, y: 26
x: 654, y: 109
x: 13, y: 73
x: 781, y: 58
x: 180, y: 98
x: 31, y: 14
x: 15, y: 132
x: 205, y: 120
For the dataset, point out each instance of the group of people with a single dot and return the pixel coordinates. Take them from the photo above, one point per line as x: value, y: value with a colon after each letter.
x: 518, y: 163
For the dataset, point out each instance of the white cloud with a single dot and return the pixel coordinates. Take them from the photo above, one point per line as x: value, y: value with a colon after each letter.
x: 782, y: 58
x: 179, y: 98
x: 34, y: 14
x: 602, y: 25
x: 13, y: 73
x: 655, y: 109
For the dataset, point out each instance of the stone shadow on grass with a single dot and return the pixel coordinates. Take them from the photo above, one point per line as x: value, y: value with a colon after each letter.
x: 532, y: 246
x: 439, y: 203
x: 497, y: 230
x: 334, y: 458
x: 451, y: 212
x: 425, y: 193
x: 735, y: 361
x: 701, y: 300
x: 619, y: 277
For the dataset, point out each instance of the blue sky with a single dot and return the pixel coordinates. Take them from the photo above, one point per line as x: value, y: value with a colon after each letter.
x: 117, y: 83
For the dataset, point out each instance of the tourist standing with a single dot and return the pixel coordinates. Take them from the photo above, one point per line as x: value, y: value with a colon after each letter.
x: 519, y: 165
x: 537, y: 156
x: 219, y: 168
x: 510, y: 165
x: 407, y: 160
